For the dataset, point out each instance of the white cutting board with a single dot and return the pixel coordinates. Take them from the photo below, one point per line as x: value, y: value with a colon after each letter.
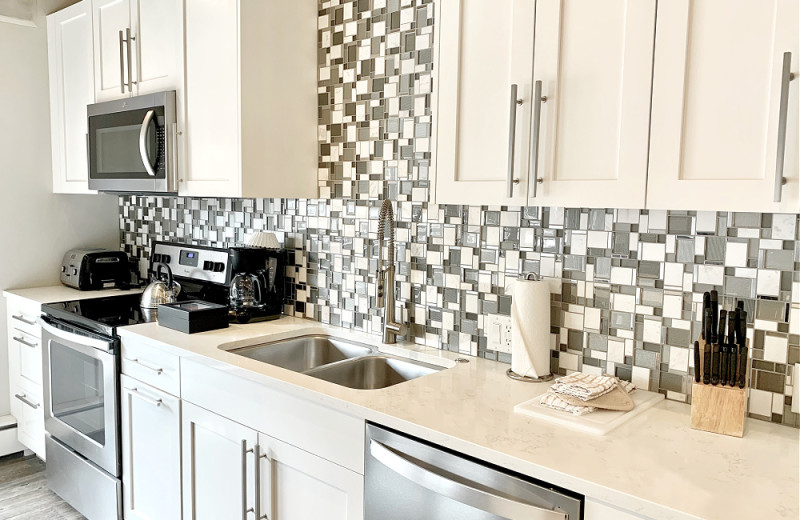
x: 599, y: 422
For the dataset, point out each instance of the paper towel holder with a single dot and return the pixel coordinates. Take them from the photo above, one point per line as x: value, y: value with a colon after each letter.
x: 527, y: 379
x: 536, y: 277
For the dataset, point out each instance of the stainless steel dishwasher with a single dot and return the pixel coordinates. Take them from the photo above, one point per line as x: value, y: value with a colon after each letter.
x: 408, y: 479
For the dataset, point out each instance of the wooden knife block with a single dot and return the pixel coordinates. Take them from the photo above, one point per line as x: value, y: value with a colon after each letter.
x: 718, y: 408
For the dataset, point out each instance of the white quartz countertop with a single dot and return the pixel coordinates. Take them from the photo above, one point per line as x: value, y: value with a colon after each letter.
x: 62, y: 293
x: 655, y: 465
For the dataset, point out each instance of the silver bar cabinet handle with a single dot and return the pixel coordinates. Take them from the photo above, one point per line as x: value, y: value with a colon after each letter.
x: 257, y: 480
x: 24, y: 400
x: 121, y: 62
x: 245, y: 451
x: 21, y: 317
x: 786, y: 78
x: 143, y: 143
x: 512, y: 138
x: 260, y: 456
x: 538, y: 99
x: 158, y: 371
x: 130, y: 64
x: 458, y: 491
x: 26, y: 343
x: 135, y: 391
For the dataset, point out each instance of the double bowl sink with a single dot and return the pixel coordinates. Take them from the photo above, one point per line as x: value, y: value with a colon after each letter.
x: 340, y: 361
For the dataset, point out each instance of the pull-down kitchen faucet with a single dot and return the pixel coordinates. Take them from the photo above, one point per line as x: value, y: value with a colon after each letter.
x: 391, y: 328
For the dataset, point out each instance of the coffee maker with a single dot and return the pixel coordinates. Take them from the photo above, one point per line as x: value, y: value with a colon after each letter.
x: 257, y: 283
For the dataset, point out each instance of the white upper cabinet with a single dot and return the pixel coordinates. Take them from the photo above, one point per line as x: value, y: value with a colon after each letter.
x: 584, y: 137
x: 594, y: 60
x: 69, y: 53
x: 158, y: 56
x: 251, y: 90
x: 718, y: 83
x: 138, y: 47
x: 484, y: 65
x: 112, y: 20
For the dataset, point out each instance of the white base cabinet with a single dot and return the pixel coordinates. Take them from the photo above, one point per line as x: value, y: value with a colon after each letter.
x: 151, y: 452
x: 25, y: 372
x: 296, y: 485
x: 219, y: 479
x: 600, y: 511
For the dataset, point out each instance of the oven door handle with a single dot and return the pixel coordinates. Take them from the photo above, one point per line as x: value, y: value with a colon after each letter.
x: 98, y: 344
x: 441, y: 485
x: 143, y: 143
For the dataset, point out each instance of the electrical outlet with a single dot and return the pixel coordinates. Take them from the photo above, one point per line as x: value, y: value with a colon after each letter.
x: 498, y: 333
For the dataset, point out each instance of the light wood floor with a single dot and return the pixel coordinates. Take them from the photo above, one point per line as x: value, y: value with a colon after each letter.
x: 24, y: 494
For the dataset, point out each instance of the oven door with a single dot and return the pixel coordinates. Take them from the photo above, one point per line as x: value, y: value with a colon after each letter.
x: 81, y: 391
x: 131, y: 144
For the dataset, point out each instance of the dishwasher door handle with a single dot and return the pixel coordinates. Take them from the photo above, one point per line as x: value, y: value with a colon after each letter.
x: 468, y: 495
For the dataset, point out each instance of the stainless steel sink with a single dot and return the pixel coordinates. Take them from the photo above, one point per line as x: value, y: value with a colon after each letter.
x: 372, y: 372
x: 305, y: 352
x: 337, y: 360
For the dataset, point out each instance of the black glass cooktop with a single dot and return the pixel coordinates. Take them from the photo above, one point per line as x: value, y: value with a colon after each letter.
x: 102, y: 315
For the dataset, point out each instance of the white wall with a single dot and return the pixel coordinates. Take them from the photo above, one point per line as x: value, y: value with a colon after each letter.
x: 36, y: 227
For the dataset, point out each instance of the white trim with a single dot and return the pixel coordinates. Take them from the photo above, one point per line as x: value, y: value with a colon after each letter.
x: 17, y: 21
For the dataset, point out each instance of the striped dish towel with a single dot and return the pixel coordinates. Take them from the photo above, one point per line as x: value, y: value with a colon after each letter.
x: 584, y: 386
x: 555, y: 401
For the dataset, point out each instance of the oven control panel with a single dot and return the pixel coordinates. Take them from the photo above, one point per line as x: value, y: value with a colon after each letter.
x: 199, y: 263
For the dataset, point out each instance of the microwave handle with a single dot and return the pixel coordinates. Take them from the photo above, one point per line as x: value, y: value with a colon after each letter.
x: 143, y: 143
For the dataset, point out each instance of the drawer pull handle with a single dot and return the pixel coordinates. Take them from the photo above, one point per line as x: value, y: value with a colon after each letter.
x: 157, y: 371
x: 24, y: 400
x: 21, y: 317
x: 26, y: 343
x: 135, y: 391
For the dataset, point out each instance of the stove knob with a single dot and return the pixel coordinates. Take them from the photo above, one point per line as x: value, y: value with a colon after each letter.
x: 166, y: 259
x: 219, y: 267
x: 208, y: 266
x: 156, y: 258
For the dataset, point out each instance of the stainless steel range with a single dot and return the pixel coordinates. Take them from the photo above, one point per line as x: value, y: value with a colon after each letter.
x: 81, y: 366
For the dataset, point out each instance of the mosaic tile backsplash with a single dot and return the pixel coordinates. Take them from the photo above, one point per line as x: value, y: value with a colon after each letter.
x: 630, y: 282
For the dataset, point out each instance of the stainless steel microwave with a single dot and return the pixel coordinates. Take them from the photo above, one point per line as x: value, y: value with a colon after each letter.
x: 132, y: 144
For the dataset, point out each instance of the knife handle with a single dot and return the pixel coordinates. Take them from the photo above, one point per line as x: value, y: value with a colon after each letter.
x: 714, y: 315
x: 742, y: 366
x: 723, y: 319
x: 732, y: 372
x: 715, y: 364
x: 707, y: 324
x: 707, y: 363
x: 697, y: 367
x: 723, y: 365
x: 706, y: 316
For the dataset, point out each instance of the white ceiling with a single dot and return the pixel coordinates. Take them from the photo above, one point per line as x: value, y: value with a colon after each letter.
x: 26, y: 10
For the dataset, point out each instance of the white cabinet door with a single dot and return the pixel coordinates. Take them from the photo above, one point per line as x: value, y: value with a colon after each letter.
x: 111, y: 64
x: 218, y: 465
x: 69, y: 54
x: 594, y: 61
x: 485, y: 51
x: 600, y: 511
x: 716, y: 105
x: 296, y: 485
x: 25, y: 360
x: 151, y: 452
x: 213, y: 144
x: 158, y: 28
x: 27, y: 408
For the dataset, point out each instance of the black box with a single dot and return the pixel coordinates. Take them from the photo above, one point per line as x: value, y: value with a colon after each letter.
x: 193, y: 316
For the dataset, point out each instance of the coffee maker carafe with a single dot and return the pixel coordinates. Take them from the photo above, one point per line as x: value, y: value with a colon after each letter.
x: 256, y: 287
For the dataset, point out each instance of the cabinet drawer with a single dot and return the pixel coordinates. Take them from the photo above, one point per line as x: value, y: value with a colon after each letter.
x: 313, y: 427
x: 150, y: 364
x: 26, y: 360
x: 29, y: 411
x: 22, y: 315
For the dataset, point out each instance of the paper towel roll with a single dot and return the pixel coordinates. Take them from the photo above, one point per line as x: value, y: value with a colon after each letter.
x: 530, y: 328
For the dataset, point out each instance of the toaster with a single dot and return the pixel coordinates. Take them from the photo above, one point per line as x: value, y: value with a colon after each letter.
x: 94, y: 269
